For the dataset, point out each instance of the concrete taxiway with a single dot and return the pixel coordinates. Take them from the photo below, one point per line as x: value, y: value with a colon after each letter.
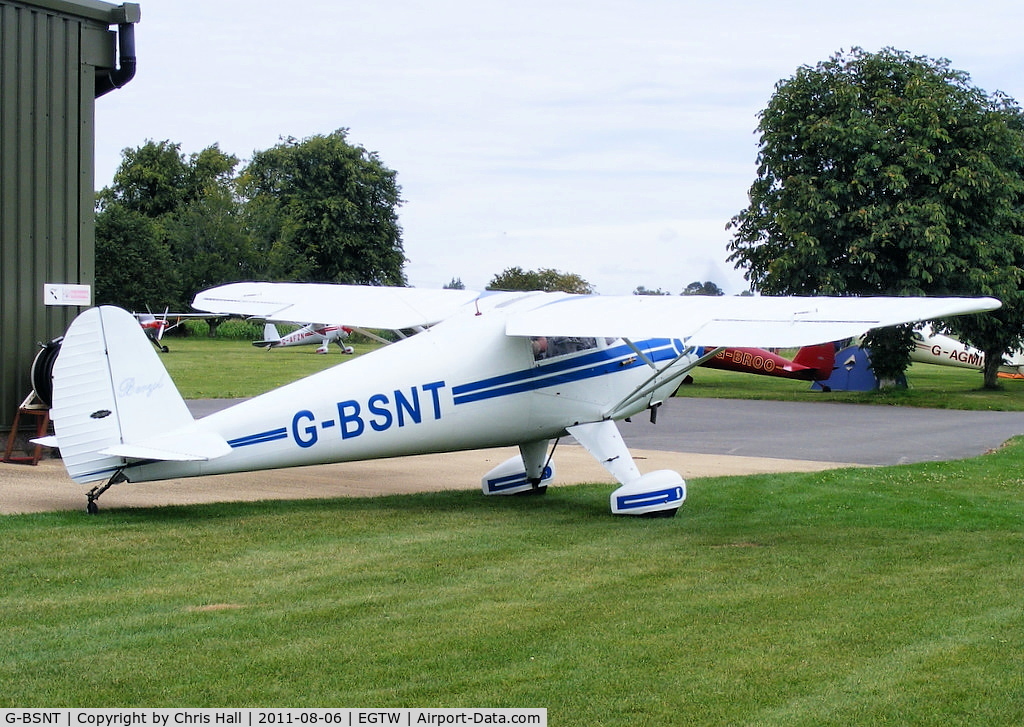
x: 695, y: 437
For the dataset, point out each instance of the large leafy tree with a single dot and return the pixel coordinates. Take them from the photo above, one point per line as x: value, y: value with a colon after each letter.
x: 1001, y: 331
x: 151, y: 180
x: 885, y: 173
x: 209, y: 242
x: 324, y: 210
x: 133, y: 264
x: 546, y: 279
x: 168, y: 226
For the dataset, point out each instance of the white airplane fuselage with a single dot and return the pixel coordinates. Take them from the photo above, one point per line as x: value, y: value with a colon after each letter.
x: 486, y: 370
x: 463, y: 380
x: 934, y: 348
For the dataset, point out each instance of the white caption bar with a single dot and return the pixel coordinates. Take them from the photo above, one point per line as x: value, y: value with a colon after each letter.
x: 321, y: 717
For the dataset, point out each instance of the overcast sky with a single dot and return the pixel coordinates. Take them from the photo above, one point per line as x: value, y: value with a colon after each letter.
x: 609, y: 138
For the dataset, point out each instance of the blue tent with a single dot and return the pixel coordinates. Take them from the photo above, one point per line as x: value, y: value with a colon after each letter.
x: 852, y: 372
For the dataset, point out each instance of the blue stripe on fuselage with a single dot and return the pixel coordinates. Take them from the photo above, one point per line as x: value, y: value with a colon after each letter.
x: 259, y: 438
x: 589, y: 365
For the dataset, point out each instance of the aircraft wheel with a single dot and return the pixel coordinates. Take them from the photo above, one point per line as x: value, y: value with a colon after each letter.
x: 661, y: 513
x: 92, y: 508
x: 165, y: 349
x: 533, y: 491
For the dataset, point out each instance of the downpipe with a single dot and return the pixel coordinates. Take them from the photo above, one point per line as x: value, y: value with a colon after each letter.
x: 117, y: 77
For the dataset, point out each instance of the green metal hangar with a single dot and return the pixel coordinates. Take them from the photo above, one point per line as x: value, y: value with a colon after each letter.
x: 56, y: 58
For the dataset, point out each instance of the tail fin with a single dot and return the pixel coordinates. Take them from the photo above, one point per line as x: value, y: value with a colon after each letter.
x: 821, y: 357
x: 108, y: 381
x: 270, y: 337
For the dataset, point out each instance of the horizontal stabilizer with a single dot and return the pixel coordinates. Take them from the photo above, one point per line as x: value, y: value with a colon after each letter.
x: 181, y: 446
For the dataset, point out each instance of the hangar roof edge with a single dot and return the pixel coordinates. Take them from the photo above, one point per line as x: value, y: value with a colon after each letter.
x: 106, y: 13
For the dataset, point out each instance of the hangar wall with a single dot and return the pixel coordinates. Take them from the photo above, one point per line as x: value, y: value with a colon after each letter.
x: 51, y: 52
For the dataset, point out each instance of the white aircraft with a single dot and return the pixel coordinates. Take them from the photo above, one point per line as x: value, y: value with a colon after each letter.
x: 310, y: 333
x: 156, y: 326
x: 475, y: 377
x: 935, y: 348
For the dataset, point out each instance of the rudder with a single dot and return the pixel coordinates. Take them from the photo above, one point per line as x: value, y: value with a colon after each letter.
x: 822, y: 358
x: 108, y: 380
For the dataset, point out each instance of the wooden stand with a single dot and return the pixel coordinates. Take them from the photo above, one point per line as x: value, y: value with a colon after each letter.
x: 32, y: 453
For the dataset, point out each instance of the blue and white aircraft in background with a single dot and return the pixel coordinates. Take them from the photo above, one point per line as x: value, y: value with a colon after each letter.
x: 486, y: 370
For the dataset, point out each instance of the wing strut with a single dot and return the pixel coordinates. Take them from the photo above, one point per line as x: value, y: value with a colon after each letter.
x: 653, y: 382
x: 643, y: 356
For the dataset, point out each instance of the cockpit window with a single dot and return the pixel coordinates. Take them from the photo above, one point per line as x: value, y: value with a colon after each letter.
x: 545, y: 347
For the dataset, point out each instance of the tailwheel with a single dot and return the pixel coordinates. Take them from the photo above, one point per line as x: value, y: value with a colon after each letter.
x: 94, y: 494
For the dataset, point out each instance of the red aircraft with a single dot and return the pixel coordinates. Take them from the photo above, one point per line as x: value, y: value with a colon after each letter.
x: 811, y: 363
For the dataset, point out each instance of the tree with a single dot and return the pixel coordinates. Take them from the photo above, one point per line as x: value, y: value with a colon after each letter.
x: 885, y: 174
x: 1002, y: 330
x: 323, y: 210
x: 641, y: 290
x: 209, y: 243
x: 193, y: 236
x: 455, y: 284
x: 151, y: 180
x: 705, y: 288
x: 546, y: 279
x: 133, y: 264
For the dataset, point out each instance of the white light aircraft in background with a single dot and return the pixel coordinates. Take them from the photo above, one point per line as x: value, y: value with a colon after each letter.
x: 475, y: 377
x: 936, y: 348
x: 156, y: 326
x: 311, y: 333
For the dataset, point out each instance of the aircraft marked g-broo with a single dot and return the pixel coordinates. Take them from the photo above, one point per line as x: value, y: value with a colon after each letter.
x: 478, y: 375
x: 811, y: 363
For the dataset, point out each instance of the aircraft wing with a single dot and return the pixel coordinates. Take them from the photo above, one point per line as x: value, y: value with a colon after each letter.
x: 175, y: 316
x: 390, y: 308
x: 749, y: 321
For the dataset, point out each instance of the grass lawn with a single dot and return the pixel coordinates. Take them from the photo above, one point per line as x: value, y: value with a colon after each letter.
x: 858, y: 597
x: 206, y: 368
x: 850, y: 597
